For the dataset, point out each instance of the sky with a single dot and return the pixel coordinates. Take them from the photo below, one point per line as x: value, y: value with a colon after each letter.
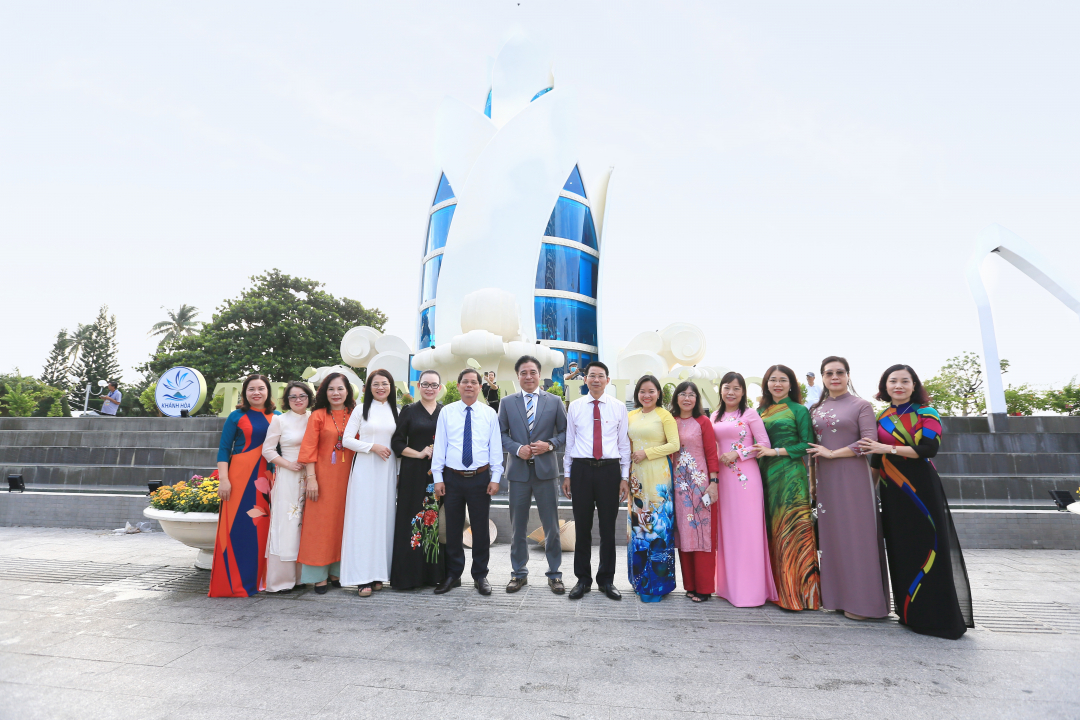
x: 797, y: 179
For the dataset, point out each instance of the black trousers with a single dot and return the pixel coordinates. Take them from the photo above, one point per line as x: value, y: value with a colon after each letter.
x: 471, y: 492
x: 595, y: 487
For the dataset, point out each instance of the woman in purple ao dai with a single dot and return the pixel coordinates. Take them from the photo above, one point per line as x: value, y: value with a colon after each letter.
x: 743, y: 570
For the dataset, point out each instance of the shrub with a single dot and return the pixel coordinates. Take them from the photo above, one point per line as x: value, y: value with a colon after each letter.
x: 556, y: 389
x: 452, y: 394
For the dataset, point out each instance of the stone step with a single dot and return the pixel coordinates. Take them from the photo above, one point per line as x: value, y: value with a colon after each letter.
x: 1006, y: 487
x: 75, y: 476
x: 89, y: 455
x: 1008, y: 463
x: 1032, y: 424
x: 1011, y: 443
x: 75, y: 438
x: 102, y: 424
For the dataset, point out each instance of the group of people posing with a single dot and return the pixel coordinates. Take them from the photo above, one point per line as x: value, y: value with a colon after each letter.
x: 774, y: 504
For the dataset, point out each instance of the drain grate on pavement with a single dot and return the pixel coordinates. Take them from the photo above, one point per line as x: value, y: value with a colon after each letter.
x: 1046, y: 618
x: 139, y: 577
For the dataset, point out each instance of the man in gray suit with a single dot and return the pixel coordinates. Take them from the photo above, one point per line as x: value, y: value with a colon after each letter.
x: 533, y: 424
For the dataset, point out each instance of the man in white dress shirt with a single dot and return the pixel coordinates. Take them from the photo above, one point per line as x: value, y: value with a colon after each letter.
x: 466, y: 465
x: 813, y: 392
x: 597, y: 466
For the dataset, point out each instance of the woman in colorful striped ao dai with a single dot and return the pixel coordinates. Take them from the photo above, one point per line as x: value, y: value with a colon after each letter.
x: 930, y: 584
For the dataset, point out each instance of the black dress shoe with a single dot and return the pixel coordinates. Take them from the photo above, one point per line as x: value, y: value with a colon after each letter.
x: 321, y: 589
x: 580, y: 589
x: 483, y: 586
x: 447, y: 585
x: 611, y: 591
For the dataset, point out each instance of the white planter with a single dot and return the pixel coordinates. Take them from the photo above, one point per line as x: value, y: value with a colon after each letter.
x: 1074, y: 508
x: 195, y: 529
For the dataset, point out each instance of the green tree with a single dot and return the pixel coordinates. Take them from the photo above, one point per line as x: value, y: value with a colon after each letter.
x: 957, y: 389
x: 97, y: 358
x: 23, y: 396
x: 1024, y: 400
x: 1065, y: 401
x: 279, y: 326
x: 56, y: 372
x: 181, y: 323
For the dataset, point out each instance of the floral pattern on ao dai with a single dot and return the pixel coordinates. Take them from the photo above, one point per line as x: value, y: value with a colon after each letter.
x: 650, y: 515
x: 693, y: 519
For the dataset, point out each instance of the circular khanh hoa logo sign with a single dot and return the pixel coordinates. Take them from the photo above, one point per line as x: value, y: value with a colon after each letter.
x: 180, y: 388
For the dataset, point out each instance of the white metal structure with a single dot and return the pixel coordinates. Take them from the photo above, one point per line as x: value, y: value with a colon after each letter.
x: 1023, y: 256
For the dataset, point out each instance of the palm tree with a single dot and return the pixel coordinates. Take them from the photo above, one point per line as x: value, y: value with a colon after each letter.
x: 76, y: 340
x: 180, y: 323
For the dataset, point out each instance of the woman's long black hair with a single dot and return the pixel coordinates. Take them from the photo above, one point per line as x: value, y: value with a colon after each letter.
x: 391, y: 399
x: 652, y: 379
x: 723, y: 403
x: 794, y: 394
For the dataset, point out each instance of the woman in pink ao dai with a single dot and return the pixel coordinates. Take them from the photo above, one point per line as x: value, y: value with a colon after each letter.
x: 743, y: 570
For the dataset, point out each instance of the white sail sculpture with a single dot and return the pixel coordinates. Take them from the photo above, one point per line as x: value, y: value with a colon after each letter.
x: 511, y: 213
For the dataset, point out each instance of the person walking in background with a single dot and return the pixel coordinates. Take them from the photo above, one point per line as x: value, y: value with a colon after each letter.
x: 367, y: 542
x: 466, y: 465
x: 930, y: 586
x: 239, y: 568
x: 650, y: 513
x: 849, y: 532
x: 792, y: 546
x: 597, y: 472
x: 281, y: 448
x: 696, y: 465
x: 328, y: 461
x: 533, y: 426
x: 419, y: 557
x: 813, y: 392
x: 743, y: 570
x: 491, y: 390
x: 110, y: 401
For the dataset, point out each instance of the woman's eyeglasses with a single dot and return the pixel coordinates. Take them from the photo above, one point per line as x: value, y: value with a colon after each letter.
x: 429, y: 386
x: 297, y: 398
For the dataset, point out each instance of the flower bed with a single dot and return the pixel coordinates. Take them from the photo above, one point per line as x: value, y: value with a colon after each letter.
x: 200, y: 494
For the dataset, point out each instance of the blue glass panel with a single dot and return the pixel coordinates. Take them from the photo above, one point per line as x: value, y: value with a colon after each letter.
x: 573, y: 221
x: 566, y: 320
x: 426, y: 332
x: 439, y: 228
x: 574, y: 184
x: 487, y: 105
x: 542, y: 92
x: 568, y: 269
x: 581, y: 358
x: 431, y: 278
x: 445, y: 192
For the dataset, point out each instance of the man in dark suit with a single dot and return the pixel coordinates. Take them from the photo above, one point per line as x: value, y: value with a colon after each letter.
x: 533, y: 425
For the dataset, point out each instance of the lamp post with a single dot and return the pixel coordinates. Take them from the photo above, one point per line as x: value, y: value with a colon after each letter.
x: 86, y: 401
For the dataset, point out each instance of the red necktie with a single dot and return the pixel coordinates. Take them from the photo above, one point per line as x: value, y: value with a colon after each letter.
x: 597, y: 435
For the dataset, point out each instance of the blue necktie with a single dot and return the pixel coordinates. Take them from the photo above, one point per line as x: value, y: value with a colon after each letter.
x: 530, y: 411
x: 466, y: 440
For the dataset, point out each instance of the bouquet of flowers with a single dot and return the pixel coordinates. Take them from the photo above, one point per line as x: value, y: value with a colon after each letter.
x: 196, y: 495
x: 425, y: 526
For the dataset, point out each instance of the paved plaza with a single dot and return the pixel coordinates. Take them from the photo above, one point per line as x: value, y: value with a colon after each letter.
x: 100, y: 626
